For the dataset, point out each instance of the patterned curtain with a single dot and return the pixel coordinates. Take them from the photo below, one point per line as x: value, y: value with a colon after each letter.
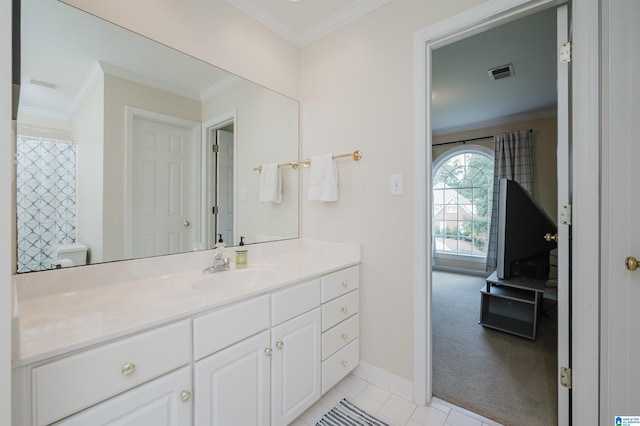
x: 512, y: 161
x: 45, y: 200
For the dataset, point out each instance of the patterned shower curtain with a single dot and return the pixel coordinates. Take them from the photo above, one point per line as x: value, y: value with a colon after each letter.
x: 45, y: 200
x: 512, y: 161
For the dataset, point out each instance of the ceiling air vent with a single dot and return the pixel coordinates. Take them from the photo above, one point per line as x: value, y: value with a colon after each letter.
x: 42, y: 83
x: 501, y: 72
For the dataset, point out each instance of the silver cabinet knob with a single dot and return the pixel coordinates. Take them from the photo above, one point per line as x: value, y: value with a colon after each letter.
x: 344, y: 336
x: 186, y: 223
x: 344, y: 363
x: 344, y: 284
x: 344, y: 310
x: 128, y: 368
x: 279, y: 344
x: 185, y: 395
x: 268, y: 351
x: 631, y: 263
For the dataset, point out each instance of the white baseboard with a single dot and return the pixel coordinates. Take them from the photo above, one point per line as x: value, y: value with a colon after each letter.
x: 386, y: 380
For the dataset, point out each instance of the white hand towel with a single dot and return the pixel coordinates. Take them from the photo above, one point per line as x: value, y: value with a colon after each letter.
x: 270, y: 184
x: 323, y: 185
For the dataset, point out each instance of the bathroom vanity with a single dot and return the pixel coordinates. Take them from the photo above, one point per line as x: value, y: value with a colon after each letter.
x: 176, y: 346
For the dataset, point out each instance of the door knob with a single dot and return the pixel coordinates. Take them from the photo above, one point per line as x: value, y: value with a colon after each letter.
x: 631, y: 263
x: 186, y: 223
x: 549, y: 237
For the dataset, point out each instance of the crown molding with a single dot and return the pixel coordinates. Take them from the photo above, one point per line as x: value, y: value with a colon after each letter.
x: 219, y: 87
x: 339, y: 19
x: 516, y: 118
x: 329, y: 24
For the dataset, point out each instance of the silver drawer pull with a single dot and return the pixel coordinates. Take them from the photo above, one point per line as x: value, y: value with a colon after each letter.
x: 268, y: 351
x: 279, y: 344
x: 344, y: 284
x: 344, y: 337
x: 344, y: 363
x: 128, y: 368
x: 185, y: 396
x: 344, y: 310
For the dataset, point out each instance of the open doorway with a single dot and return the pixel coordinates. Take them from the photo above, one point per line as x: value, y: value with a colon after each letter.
x: 219, y: 135
x: 500, y: 80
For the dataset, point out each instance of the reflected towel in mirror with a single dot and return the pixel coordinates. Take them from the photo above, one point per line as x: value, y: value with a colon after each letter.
x: 270, y: 184
x: 323, y: 182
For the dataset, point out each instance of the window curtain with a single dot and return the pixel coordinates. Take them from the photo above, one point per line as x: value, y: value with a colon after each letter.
x: 512, y: 161
x: 45, y: 200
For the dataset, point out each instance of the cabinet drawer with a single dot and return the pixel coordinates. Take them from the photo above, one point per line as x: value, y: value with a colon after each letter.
x: 228, y: 325
x: 340, y: 309
x: 337, y: 337
x: 340, y: 282
x: 71, y: 384
x: 294, y: 300
x: 338, y: 365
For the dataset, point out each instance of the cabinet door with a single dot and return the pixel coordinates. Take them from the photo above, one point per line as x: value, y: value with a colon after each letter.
x: 165, y: 401
x: 232, y: 386
x: 295, y: 367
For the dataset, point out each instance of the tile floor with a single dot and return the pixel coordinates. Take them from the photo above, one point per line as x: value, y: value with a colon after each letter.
x: 390, y: 408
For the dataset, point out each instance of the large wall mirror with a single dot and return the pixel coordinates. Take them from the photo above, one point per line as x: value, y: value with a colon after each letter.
x: 132, y: 149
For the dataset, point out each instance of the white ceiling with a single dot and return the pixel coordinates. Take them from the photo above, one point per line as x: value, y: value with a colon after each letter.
x: 463, y: 94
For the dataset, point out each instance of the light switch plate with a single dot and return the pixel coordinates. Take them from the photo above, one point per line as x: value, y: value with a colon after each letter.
x: 395, y: 185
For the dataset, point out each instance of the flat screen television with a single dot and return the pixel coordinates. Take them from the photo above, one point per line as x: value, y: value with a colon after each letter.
x: 522, y: 225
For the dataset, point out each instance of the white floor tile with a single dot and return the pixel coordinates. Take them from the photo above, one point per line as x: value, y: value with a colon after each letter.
x: 440, y: 405
x: 429, y: 416
x: 331, y: 398
x: 368, y: 404
x: 457, y: 418
x: 412, y: 422
x: 313, y: 414
x: 376, y: 393
x: 397, y: 409
x: 351, y: 386
x: 298, y: 422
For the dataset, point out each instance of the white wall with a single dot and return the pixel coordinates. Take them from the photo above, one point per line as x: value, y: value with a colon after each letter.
x: 356, y: 91
x: 6, y: 241
x: 213, y: 31
x: 88, y: 133
x: 266, y: 132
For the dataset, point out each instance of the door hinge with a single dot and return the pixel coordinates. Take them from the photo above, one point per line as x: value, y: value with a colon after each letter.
x: 565, y: 377
x: 565, y: 214
x: 214, y: 210
x: 565, y: 52
x: 216, y: 148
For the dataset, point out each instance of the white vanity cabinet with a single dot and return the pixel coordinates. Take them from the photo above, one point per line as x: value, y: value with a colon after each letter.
x: 340, y: 325
x: 164, y: 401
x: 259, y: 359
x: 65, y: 386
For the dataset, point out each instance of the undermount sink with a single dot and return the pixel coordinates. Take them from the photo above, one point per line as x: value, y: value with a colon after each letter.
x: 234, y: 277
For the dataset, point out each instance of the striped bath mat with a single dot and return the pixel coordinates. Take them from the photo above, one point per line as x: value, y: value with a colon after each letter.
x: 347, y: 414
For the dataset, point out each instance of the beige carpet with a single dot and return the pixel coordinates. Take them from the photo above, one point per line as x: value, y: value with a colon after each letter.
x: 505, y: 378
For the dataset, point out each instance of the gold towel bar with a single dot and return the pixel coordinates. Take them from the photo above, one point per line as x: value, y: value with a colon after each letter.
x: 356, y: 155
x: 293, y: 164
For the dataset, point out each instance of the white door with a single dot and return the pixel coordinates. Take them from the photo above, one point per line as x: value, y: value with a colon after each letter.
x: 564, y: 229
x: 163, y: 189
x: 162, y: 402
x: 295, y: 367
x: 232, y: 386
x: 620, y: 372
x: 225, y: 186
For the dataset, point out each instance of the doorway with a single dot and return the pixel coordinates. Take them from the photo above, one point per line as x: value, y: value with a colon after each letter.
x: 478, y: 19
x: 219, y: 135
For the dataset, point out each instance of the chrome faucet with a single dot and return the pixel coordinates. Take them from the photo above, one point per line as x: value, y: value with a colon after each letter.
x: 220, y: 263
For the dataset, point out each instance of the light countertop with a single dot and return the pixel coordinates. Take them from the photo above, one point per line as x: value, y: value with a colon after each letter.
x: 68, y: 309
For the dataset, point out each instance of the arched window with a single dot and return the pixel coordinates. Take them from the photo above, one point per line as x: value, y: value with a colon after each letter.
x: 462, y: 200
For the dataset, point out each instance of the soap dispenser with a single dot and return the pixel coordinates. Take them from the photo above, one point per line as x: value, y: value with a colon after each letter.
x: 242, y: 255
x: 220, y: 244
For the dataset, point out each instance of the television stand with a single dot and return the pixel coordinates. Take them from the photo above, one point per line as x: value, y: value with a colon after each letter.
x: 512, y: 305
